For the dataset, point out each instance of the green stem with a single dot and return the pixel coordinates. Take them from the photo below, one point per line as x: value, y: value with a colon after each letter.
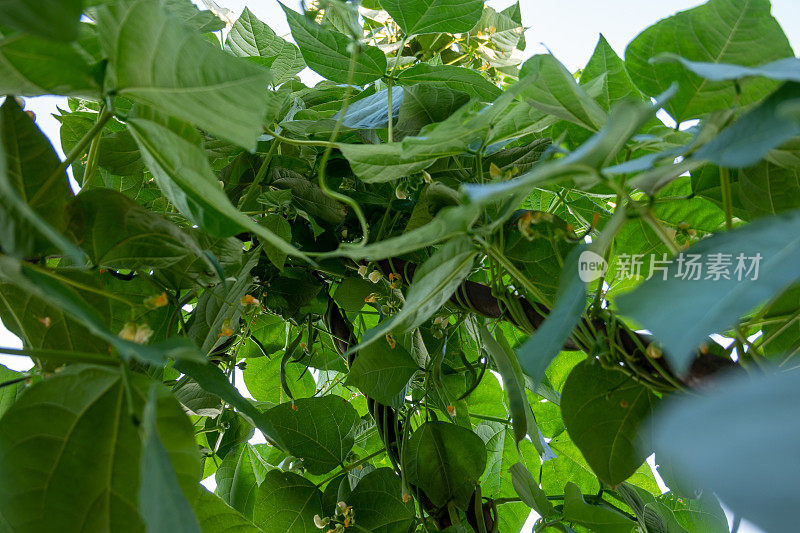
x: 501, y: 501
x: 74, y: 154
x: 727, y: 197
x: 390, y: 126
x: 91, y: 162
x: 397, y: 56
x: 14, y: 381
x: 347, y: 468
x: 505, y: 421
x: 262, y: 171
x: 329, y: 149
x: 300, y: 142
x: 515, y: 273
x: 126, y: 382
x: 63, y: 356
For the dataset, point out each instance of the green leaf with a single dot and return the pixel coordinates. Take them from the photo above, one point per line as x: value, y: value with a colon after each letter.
x: 74, y: 429
x: 8, y: 394
x: 41, y: 325
x: 185, y: 177
x: 434, y: 282
x: 163, y: 505
x: 309, y: 197
x: 682, y: 312
x: 318, y: 430
x: 556, y: 92
x: 745, y: 142
x: 238, y: 478
x: 118, y: 233
x: 711, y: 439
x: 513, y: 381
x: 195, y: 400
x: 425, y: 104
x: 351, y: 292
x: 326, y: 52
x: 448, y: 223
x: 213, y: 380
x: 445, y: 461
x: 657, y: 517
x: 625, y: 119
x: 434, y: 16
x: 215, y: 516
x: 46, y: 285
x: 280, y: 227
x: 456, y: 78
x: 221, y: 304
x: 530, y: 492
x: 569, y: 466
x: 536, y: 353
x: 382, y: 372
x: 249, y: 37
x: 378, y: 503
x: 180, y: 73
x: 540, y: 252
x: 719, y: 31
x: 34, y: 197
x: 602, y: 411
x: 471, y: 124
x: 506, y: 37
x: 289, y: 502
x: 52, y: 19
x: 616, y: 83
x: 700, y: 514
x: 786, y: 69
x: 596, y: 518
x: 31, y: 66
x: 767, y: 189
x: 263, y: 379
x: 201, y: 21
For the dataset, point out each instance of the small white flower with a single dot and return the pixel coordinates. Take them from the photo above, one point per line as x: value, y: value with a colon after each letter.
x: 321, y: 522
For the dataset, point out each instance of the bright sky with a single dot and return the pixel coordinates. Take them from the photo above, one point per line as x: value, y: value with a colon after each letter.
x: 569, y: 29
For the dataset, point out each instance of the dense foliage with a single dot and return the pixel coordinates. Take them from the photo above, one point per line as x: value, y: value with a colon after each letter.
x: 428, y: 269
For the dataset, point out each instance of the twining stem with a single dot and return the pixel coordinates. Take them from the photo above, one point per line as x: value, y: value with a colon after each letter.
x: 727, y: 197
x: 501, y: 259
x: 356, y: 464
x: 74, y: 154
x: 647, y: 215
x: 61, y: 356
x: 262, y: 171
x: 329, y: 149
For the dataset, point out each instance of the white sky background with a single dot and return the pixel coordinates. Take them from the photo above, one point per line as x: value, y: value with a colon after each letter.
x: 569, y: 29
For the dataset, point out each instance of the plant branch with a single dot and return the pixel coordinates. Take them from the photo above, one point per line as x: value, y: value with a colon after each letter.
x: 63, y: 356
x: 74, y: 154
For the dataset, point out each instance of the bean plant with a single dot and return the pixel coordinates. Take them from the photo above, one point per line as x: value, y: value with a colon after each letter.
x: 446, y: 288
